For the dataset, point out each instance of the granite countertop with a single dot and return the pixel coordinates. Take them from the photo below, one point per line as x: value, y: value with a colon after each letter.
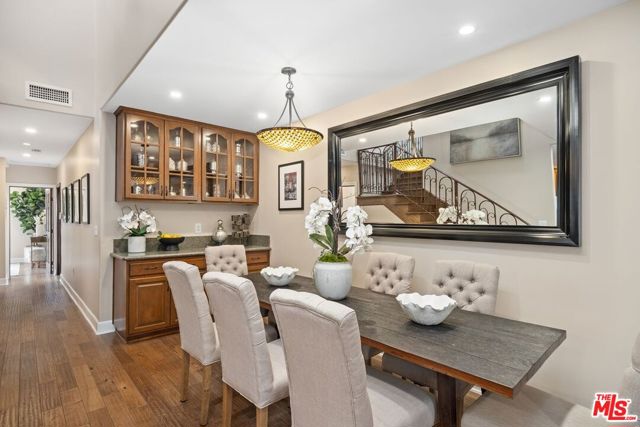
x: 192, y: 245
x: 181, y: 252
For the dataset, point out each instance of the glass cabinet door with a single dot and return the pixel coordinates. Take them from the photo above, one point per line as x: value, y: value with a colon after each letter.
x: 216, y: 185
x: 245, y: 168
x: 143, y: 157
x: 182, y: 162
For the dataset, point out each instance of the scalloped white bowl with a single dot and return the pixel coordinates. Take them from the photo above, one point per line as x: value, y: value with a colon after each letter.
x: 278, y: 276
x: 426, y: 309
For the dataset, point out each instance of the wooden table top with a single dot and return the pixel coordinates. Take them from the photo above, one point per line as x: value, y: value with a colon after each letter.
x: 492, y: 352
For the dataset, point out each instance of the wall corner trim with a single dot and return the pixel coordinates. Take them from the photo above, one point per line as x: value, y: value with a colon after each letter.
x: 99, y: 328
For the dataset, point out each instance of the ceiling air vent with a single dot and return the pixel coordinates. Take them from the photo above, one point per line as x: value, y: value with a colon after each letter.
x: 47, y: 93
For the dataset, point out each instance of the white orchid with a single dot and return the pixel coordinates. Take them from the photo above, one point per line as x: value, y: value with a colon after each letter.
x: 325, y: 236
x: 138, y: 222
x: 449, y: 215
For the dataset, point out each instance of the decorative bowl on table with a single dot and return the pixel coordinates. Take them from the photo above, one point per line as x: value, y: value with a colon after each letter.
x: 170, y: 242
x: 426, y: 309
x: 278, y: 276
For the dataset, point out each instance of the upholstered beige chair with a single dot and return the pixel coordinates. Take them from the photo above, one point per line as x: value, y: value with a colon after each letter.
x: 233, y: 259
x: 329, y: 384
x: 474, y: 286
x: 387, y: 273
x: 198, y: 336
x: 251, y: 366
x: 227, y: 259
x: 533, y: 407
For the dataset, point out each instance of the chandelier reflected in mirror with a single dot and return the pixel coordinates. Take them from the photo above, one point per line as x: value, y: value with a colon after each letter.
x: 289, y: 138
x: 415, y: 162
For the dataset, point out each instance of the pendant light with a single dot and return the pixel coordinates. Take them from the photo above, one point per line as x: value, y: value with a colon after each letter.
x: 289, y: 138
x: 416, y: 162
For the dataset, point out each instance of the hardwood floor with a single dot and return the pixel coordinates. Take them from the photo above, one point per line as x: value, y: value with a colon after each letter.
x: 54, y: 371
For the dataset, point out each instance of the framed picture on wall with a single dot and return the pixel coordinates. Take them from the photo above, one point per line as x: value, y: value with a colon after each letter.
x: 85, y: 197
x: 64, y: 203
x: 75, y: 186
x: 69, y: 203
x: 291, y: 186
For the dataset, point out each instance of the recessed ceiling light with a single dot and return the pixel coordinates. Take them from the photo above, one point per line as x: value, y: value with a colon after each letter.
x: 362, y: 140
x: 262, y: 115
x: 465, y: 30
x: 545, y: 99
x: 175, y: 94
x: 30, y: 130
x: 26, y: 144
x: 26, y: 154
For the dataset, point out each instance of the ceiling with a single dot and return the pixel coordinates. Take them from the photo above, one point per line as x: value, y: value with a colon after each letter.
x: 56, y: 134
x: 541, y: 115
x: 225, y: 56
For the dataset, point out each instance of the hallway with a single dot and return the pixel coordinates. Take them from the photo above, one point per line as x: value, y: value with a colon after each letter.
x: 54, y: 371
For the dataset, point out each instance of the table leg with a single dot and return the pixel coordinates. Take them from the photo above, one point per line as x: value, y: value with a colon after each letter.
x: 449, y: 403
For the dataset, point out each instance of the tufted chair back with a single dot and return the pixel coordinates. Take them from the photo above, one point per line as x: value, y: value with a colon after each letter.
x: 246, y: 363
x: 227, y: 259
x: 389, y: 273
x: 198, y: 335
x: 474, y: 286
x: 334, y: 391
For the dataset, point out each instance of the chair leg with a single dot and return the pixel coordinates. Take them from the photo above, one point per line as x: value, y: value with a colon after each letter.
x: 206, y: 394
x: 186, y: 360
x: 262, y: 417
x: 227, y: 404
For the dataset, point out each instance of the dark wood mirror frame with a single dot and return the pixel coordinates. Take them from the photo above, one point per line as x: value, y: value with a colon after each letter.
x: 565, y: 76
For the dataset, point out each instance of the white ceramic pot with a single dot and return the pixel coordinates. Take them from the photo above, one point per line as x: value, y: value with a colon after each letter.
x: 333, y: 279
x: 40, y: 231
x: 136, y: 244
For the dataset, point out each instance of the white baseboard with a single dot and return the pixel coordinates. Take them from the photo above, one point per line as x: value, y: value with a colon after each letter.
x: 18, y: 260
x: 99, y: 328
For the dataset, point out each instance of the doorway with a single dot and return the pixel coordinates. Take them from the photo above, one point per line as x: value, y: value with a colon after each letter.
x: 30, y: 230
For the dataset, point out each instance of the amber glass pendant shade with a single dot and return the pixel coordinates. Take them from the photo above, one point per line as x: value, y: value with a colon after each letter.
x: 412, y: 164
x: 289, y: 138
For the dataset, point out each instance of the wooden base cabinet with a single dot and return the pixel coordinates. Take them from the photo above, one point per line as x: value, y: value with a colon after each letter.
x: 142, y: 302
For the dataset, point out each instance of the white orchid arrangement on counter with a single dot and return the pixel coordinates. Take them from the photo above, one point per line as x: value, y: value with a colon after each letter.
x: 449, y: 215
x: 323, y: 226
x: 138, y: 222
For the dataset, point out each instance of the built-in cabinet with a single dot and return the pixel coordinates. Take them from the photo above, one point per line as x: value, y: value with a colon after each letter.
x: 142, y: 302
x: 167, y: 158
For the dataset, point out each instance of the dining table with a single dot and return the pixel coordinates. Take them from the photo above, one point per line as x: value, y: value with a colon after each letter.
x: 468, y: 348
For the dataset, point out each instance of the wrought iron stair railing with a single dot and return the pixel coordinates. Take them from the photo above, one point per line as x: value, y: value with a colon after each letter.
x: 428, y: 190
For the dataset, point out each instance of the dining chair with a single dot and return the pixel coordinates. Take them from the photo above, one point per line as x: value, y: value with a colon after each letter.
x: 329, y: 383
x: 388, y: 273
x: 474, y: 286
x: 233, y: 259
x: 198, y: 336
x: 534, y: 407
x: 250, y: 366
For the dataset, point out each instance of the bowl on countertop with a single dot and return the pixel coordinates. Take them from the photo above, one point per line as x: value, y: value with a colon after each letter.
x: 278, y: 276
x: 426, y: 309
x: 170, y: 243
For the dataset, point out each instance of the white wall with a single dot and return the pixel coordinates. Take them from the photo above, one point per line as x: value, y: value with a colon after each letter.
x: 590, y: 291
x: 3, y: 224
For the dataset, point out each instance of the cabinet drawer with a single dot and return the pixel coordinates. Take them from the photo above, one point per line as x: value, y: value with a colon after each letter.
x: 146, y: 268
x: 149, y: 268
x: 258, y: 257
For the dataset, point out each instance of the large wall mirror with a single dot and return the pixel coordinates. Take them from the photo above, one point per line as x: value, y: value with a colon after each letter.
x: 504, y: 162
